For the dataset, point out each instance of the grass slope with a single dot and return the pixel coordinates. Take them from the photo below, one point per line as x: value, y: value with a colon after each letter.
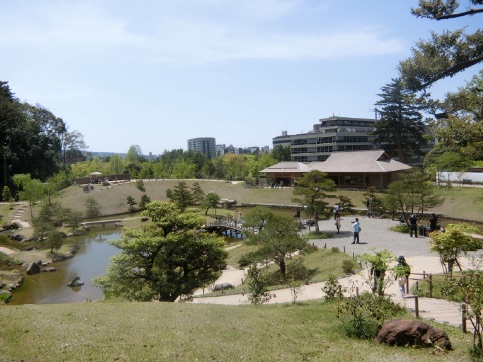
x: 192, y: 332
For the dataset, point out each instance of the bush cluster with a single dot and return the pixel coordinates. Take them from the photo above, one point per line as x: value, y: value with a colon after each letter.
x: 362, y: 315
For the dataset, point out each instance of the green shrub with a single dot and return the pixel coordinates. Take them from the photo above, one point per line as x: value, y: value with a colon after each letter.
x: 140, y: 185
x: 247, y: 260
x: 332, y: 289
x: 348, y: 266
x: 404, y: 229
x: 361, y: 315
x: 314, y: 235
x: 296, y: 270
x: 335, y: 249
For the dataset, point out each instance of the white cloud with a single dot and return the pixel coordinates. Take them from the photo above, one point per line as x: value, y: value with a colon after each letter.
x: 174, y: 36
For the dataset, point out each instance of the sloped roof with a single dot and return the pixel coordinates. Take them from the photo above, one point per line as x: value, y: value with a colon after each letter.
x: 361, y: 161
x: 373, y: 161
x: 288, y: 167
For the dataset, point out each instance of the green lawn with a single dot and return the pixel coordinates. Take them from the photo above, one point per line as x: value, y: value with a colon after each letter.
x: 194, y: 332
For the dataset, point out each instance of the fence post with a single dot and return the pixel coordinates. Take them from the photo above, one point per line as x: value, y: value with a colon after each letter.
x: 416, y: 305
x: 463, y: 317
x: 430, y: 285
x: 357, y: 291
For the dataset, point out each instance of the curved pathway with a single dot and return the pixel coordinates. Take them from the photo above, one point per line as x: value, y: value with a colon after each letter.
x: 375, y: 236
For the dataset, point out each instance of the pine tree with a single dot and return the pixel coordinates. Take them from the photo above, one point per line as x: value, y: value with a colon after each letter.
x: 400, y: 131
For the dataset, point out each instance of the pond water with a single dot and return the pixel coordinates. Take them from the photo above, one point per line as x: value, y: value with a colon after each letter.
x: 90, y: 261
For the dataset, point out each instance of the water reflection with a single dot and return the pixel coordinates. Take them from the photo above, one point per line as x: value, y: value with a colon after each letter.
x: 91, y: 261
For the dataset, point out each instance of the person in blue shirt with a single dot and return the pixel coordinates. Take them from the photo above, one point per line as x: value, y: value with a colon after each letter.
x: 356, y: 227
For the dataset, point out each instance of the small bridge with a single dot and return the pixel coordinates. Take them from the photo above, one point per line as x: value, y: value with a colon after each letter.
x: 88, y: 224
x: 222, y: 227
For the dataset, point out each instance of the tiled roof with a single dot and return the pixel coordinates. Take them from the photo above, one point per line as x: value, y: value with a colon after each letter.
x: 373, y: 161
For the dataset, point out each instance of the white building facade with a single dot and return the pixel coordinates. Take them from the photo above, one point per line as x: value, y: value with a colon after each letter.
x: 333, y: 134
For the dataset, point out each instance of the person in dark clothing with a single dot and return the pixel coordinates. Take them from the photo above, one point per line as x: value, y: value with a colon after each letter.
x: 413, y: 226
x: 433, y: 223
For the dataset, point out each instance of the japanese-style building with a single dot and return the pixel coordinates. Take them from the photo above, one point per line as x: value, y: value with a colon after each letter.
x: 354, y: 170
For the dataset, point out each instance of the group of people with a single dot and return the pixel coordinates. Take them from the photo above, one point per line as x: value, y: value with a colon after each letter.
x: 413, y: 225
x: 356, y: 227
x: 402, y: 270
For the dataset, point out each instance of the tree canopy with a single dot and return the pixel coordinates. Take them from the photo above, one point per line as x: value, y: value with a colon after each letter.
x: 445, y: 54
x: 400, y: 130
x: 165, y: 260
x: 277, y: 240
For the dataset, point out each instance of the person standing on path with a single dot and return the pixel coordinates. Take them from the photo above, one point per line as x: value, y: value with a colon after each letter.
x: 336, y: 211
x: 433, y: 223
x: 337, y: 222
x: 413, y: 226
x: 356, y: 227
x: 403, y: 270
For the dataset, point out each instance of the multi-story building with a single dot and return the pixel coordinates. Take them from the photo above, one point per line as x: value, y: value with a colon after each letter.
x: 204, y: 145
x: 333, y: 134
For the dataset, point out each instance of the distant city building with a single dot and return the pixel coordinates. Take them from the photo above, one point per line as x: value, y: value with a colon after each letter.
x: 220, y: 150
x: 253, y: 149
x: 265, y: 149
x: 204, y: 145
x: 333, y: 134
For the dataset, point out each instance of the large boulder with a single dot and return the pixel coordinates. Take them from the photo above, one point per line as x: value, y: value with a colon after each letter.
x: 33, y: 268
x: 222, y: 287
x: 400, y: 332
x: 76, y: 282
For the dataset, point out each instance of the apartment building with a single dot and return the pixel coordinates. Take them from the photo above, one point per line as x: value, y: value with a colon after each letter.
x: 333, y: 134
x: 204, y: 145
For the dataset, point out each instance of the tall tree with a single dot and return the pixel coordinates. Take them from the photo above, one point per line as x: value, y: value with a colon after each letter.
x: 197, y: 193
x: 165, y: 260
x: 281, y: 153
x: 71, y: 146
x: 313, y: 187
x: 446, y: 54
x: 12, y: 121
x: 401, y: 129
x: 181, y: 195
x: 30, y: 189
x: 116, y: 165
x: 135, y: 155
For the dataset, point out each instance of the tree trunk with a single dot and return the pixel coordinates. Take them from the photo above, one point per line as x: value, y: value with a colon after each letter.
x: 283, y: 268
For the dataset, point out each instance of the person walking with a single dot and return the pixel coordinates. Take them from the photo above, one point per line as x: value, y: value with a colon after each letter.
x: 403, y: 270
x: 413, y: 226
x: 337, y: 222
x: 356, y: 228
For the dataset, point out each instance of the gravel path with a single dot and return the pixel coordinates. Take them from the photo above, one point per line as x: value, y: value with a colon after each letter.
x: 376, y: 234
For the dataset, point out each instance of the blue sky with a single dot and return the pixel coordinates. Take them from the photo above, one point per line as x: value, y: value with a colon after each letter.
x: 155, y: 73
